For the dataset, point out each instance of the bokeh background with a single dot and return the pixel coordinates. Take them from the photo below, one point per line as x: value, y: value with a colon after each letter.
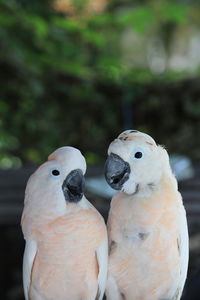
x: 75, y: 72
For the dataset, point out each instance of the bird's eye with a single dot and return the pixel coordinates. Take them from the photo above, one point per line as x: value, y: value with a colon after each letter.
x: 55, y: 172
x: 138, y: 154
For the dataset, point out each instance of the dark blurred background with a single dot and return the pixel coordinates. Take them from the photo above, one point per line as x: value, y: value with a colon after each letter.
x: 75, y: 72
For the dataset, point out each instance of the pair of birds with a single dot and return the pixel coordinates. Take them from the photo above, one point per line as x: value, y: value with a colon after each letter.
x: 66, y: 252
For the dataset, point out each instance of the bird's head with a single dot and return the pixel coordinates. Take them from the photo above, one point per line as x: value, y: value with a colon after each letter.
x: 58, y: 181
x: 135, y: 162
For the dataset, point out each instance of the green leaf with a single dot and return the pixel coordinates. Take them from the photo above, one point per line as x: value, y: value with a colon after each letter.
x: 38, y: 24
x: 176, y: 12
x: 67, y: 24
x: 141, y: 18
x: 94, y: 37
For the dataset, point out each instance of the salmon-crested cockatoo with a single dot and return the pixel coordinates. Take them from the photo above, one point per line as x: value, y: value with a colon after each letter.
x: 147, y: 227
x: 65, y: 255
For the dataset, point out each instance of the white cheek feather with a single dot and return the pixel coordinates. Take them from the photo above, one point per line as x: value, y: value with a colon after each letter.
x: 130, y: 187
x: 45, y: 202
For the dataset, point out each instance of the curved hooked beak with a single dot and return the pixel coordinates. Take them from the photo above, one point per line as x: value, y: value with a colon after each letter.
x: 73, y: 186
x: 116, y: 171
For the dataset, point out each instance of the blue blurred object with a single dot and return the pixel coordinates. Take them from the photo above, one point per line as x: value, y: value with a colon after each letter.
x: 181, y: 167
x: 99, y: 186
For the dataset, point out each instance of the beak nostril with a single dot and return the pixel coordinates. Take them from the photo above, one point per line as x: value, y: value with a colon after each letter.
x: 116, y: 179
x: 73, y: 190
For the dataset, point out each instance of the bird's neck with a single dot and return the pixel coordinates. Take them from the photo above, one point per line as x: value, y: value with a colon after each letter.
x: 147, y: 206
x: 165, y: 188
x: 166, y: 184
x: 39, y: 219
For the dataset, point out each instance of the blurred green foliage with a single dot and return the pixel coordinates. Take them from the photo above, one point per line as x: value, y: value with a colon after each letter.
x: 63, y: 81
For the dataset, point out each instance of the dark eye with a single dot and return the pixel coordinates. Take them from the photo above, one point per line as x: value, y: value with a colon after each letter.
x: 138, y: 154
x: 55, y: 172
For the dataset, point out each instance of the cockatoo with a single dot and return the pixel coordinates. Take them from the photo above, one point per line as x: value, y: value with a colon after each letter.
x: 65, y: 255
x: 147, y: 227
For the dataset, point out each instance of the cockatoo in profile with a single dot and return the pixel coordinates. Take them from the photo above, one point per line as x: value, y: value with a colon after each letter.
x: 65, y: 255
x: 147, y: 227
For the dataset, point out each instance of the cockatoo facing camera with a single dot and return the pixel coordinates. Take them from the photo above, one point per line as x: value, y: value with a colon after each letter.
x: 65, y: 256
x: 147, y: 227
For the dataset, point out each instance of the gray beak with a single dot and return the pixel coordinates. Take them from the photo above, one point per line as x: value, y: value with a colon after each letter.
x: 116, y: 171
x: 73, y: 186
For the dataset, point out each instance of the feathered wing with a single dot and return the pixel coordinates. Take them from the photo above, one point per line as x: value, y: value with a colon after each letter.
x: 28, y: 260
x: 183, y: 244
x: 102, y: 259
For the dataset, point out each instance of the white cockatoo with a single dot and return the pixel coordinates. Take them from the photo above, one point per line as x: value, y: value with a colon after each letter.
x: 147, y: 227
x: 65, y: 255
